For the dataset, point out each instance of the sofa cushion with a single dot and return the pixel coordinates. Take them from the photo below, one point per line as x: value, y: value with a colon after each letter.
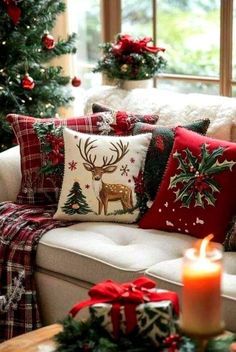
x: 160, y: 149
x: 197, y: 195
x: 96, y: 251
x: 103, y: 178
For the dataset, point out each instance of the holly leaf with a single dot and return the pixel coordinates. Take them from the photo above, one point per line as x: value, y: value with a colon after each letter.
x: 209, y: 159
x: 187, y: 198
x: 181, y: 178
x: 181, y: 194
x: 209, y: 198
x: 199, y: 201
x: 193, y: 160
x: 221, y: 166
x: 182, y: 164
x: 213, y: 185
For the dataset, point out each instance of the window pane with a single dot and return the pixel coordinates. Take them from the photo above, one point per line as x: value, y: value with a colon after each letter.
x: 88, y: 22
x: 137, y: 17
x: 188, y: 87
x: 234, y: 91
x: 190, y: 32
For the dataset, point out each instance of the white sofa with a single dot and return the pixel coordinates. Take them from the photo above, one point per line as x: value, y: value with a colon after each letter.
x: 69, y: 260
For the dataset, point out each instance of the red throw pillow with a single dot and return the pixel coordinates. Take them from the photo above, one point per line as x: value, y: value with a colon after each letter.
x: 197, y: 195
x: 125, y: 121
x: 42, y: 152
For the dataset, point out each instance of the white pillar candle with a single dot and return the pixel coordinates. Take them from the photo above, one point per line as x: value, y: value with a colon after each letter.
x: 201, y: 303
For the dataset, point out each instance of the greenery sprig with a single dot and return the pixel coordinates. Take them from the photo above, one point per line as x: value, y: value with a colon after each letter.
x: 81, y: 336
x: 90, y: 336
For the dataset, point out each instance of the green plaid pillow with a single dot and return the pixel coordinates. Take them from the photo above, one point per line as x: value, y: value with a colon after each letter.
x: 159, y: 150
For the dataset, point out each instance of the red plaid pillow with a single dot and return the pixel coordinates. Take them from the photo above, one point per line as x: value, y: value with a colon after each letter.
x: 42, y: 152
x: 197, y: 195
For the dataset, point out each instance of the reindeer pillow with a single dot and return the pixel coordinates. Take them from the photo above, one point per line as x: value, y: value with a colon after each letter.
x: 103, y: 178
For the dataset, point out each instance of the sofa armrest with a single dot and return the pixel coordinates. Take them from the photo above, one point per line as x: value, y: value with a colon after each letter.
x: 10, y: 174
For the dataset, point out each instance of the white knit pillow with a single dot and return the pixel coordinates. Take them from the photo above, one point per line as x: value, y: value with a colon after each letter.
x: 103, y: 178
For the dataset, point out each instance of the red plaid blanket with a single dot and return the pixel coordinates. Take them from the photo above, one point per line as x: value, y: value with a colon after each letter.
x: 21, y: 227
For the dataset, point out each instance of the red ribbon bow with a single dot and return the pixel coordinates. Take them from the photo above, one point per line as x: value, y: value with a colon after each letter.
x: 126, y: 44
x: 129, y: 295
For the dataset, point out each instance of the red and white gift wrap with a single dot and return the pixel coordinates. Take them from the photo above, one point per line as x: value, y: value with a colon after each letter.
x: 125, y: 306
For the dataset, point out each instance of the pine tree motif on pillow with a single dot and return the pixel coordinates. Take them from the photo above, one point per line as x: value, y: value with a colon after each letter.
x: 76, y: 201
x: 196, y: 180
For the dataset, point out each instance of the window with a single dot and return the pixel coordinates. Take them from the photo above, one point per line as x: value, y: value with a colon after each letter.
x: 197, y: 35
x: 85, y: 19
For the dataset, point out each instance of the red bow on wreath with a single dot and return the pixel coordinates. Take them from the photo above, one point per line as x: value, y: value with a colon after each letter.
x: 128, y: 295
x: 13, y: 10
x: 126, y: 44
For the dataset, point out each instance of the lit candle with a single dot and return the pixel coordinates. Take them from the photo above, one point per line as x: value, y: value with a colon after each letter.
x: 201, y: 301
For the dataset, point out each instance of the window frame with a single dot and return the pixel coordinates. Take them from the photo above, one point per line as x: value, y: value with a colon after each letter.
x: 111, y: 24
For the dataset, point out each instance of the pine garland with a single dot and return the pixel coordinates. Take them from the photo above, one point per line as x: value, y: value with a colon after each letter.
x: 86, y: 336
x: 78, y: 336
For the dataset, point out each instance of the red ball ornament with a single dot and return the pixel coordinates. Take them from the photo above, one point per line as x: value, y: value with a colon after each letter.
x: 27, y: 82
x: 48, y: 41
x: 76, y: 82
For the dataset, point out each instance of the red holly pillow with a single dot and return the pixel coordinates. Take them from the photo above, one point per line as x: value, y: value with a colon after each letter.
x: 42, y: 152
x: 197, y: 195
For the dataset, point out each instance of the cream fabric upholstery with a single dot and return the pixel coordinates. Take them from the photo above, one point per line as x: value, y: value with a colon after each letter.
x: 95, y: 251
x: 57, y: 295
x: 10, y: 174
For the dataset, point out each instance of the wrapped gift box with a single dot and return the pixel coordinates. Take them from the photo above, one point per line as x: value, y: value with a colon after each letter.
x: 155, y: 320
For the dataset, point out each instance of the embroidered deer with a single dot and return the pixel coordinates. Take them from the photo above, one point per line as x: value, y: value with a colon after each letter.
x: 106, y: 192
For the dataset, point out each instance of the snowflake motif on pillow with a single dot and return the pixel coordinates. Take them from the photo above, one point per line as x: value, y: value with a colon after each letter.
x: 195, y: 182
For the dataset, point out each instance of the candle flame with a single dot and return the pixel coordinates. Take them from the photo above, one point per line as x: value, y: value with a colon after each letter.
x: 204, y: 245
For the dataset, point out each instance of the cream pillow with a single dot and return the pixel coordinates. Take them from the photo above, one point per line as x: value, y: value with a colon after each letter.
x: 103, y: 178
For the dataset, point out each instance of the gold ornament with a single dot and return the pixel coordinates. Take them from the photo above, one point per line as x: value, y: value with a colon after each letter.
x: 124, y: 68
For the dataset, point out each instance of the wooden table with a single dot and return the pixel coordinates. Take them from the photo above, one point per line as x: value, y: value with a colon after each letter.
x: 40, y: 340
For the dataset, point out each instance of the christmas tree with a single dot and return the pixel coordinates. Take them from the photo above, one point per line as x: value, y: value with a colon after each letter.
x: 28, y: 84
x: 76, y: 202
